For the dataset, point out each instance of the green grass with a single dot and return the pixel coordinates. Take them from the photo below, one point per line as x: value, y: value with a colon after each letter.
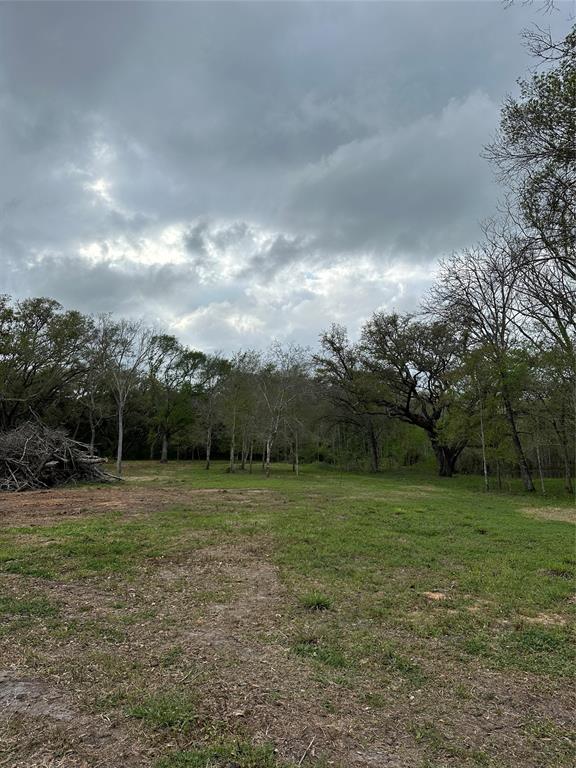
x: 315, y: 601
x: 322, y: 650
x: 237, y: 754
x: 177, y: 711
x: 360, y: 560
x: 105, y: 544
x: 379, y: 543
x: 39, y: 607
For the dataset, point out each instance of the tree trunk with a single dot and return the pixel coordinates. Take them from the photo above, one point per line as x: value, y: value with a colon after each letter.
x: 232, y: 466
x: 446, y: 456
x: 208, y: 446
x: 518, y: 450
x: 251, y: 456
x: 268, y: 456
x: 296, y: 456
x: 568, y: 486
x: 483, y: 438
x: 120, y: 439
x: 164, y: 453
x: 374, y: 453
x: 540, y: 472
x: 92, y: 434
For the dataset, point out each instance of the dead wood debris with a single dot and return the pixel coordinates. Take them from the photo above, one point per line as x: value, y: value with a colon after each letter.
x: 34, y: 456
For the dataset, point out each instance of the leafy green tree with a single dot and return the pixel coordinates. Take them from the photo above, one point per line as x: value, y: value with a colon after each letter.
x: 93, y: 391
x: 42, y: 356
x: 348, y: 387
x: 553, y: 405
x: 279, y: 382
x: 415, y: 369
x: 404, y: 369
x: 172, y: 368
x: 206, y: 394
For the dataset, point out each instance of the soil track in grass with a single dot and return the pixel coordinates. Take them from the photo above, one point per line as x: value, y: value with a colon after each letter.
x: 44, y: 506
x: 176, y: 628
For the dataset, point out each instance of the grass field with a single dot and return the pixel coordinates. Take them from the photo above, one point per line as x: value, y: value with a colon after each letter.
x: 193, y: 619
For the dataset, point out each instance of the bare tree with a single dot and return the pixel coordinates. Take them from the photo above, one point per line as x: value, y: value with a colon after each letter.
x: 278, y: 380
x: 478, y: 289
x: 206, y: 393
x: 128, y: 352
x: 546, y: 299
x: 94, y: 391
x: 239, y: 402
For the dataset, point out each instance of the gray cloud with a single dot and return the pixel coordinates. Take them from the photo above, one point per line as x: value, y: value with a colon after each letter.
x: 242, y: 171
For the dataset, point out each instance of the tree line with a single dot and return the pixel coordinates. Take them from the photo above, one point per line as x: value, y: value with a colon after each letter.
x: 482, y: 378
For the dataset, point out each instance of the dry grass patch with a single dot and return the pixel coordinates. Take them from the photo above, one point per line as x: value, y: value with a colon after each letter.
x: 563, y: 514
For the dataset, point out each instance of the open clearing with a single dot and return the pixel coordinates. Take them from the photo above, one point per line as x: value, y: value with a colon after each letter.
x: 187, y: 619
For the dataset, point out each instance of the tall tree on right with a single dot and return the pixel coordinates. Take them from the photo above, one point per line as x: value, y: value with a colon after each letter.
x: 534, y: 152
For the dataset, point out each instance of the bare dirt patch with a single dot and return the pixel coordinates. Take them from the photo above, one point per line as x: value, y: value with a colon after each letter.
x: 241, y: 660
x: 228, y: 622
x: 41, y: 726
x: 43, y: 507
x: 435, y: 595
x: 238, y: 655
x: 32, y: 697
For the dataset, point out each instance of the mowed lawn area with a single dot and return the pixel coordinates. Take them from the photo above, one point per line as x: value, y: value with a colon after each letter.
x: 193, y: 619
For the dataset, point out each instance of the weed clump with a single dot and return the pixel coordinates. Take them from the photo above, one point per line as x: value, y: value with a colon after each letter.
x: 316, y: 601
x: 176, y: 711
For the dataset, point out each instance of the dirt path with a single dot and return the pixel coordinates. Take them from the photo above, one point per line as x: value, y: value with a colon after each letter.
x: 272, y: 693
x: 235, y: 659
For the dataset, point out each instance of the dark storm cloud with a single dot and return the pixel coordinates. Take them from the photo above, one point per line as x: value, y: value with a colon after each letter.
x: 229, y: 168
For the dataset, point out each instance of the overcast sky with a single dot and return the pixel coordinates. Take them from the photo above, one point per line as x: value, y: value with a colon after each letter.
x: 239, y: 172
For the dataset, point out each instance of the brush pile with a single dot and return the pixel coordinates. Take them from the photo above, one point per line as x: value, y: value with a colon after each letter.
x: 34, y: 456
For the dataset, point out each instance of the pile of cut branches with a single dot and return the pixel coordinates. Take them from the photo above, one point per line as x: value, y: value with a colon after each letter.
x: 34, y: 456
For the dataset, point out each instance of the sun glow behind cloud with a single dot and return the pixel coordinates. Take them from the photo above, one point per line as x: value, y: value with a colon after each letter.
x: 101, y: 189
